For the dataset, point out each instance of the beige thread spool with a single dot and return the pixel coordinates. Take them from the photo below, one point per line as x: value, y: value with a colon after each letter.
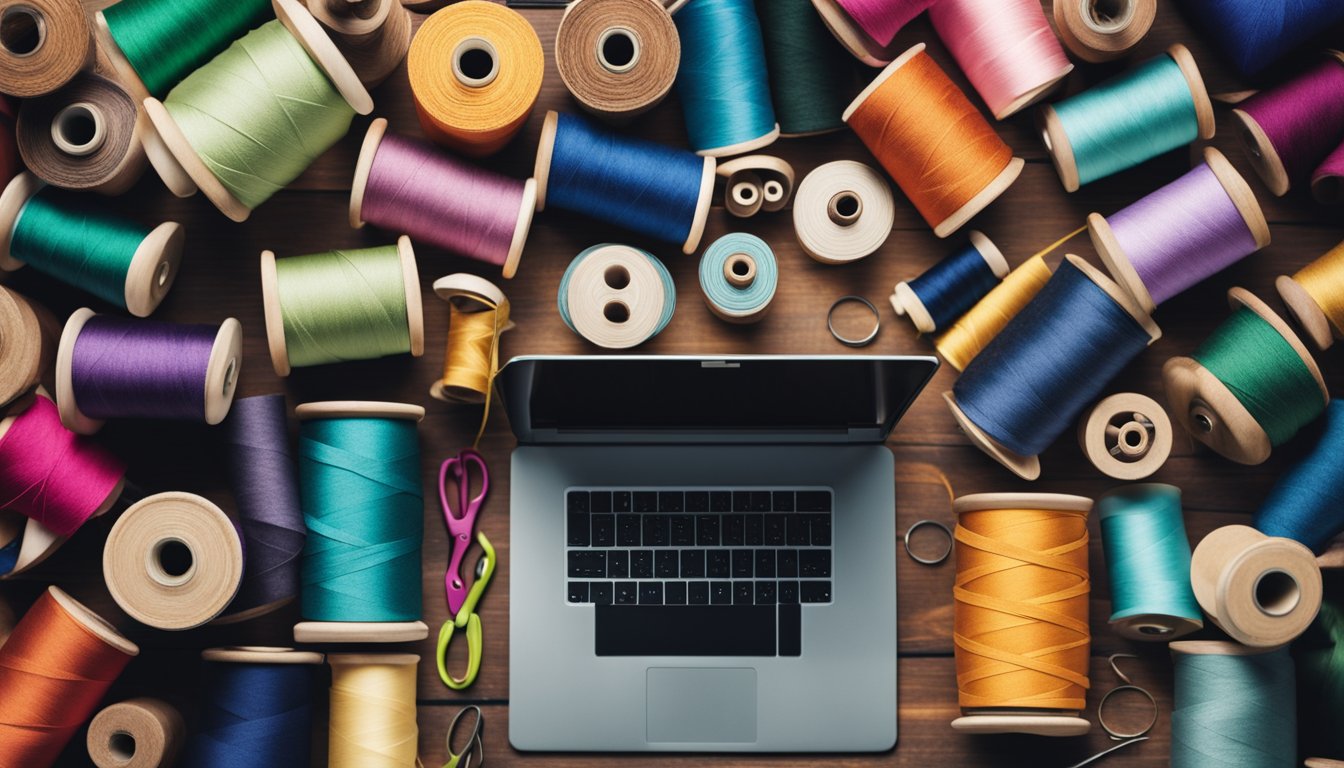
x: 137, y: 733
x: 842, y: 212
x: 355, y: 677
x: 374, y: 35
x: 1260, y: 150
x: 618, y: 58
x: 617, y: 297
x: 906, y: 302
x: 1303, y: 306
x: 1261, y: 590
x: 1126, y: 436
x: 1103, y: 30
x: 43, y: 44
x: 468, y: 294
x: 852, y: 37
x: 756, y: 183
x: 85, y: 135
x: 28, y: 335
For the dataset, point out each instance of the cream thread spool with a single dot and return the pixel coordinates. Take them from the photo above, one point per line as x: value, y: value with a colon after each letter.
x: 28, y: 334
x: 1102, y: 30
x: 136, y: 733
x: 469, y: 294
x: 617, y: 297
x: 1127, y: 436
x: 374, y: 35
x: 766, y: 184
x: 1261, y: 590
x: 842, y: 212
x: 350, y: 671
x: 173, y: 561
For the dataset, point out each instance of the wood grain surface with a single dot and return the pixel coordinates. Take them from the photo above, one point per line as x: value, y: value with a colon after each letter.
x: 220, y: 278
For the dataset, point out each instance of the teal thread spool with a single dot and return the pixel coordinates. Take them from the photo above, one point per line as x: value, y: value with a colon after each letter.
x: 722, y: 81
x: 65, y: 235
x: 359, y: 481
x: 1234, y: 707
x: 1154, y: 108
x: 1148, y: 560
x: 811, y: 76
x: 738, y: 276
x: 342, y: 305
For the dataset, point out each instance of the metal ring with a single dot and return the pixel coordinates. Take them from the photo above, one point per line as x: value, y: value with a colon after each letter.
x: 1101, y: 713
x: 866, y: 340
x: 928, y: 560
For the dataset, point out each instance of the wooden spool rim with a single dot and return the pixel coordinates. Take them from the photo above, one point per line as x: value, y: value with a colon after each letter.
x: 1039, y: 723
x: 153, y: 268
x: 1025, y: 467
x: 91, y: 621
x: 37, y: 543
x: 12, y: 201
x: 1058, y: 146
x: 1155, y: 627
x: 260, y: 655
x: 170, y: 134
x: 1136, y: 461
x: 851, y: 36
x: 373, y: 139
x: 315, y: 40
x: 742, y: 147
x: 354, y: 25
x: 1215, y: 648
x: 1226, y: 571
x: 358, y: 409
x: 1035, y: 94
x: 1117, y: 261
x: 1199, y: 93
x: 1241, y: 195
x: 882, y: 77
x: 905, y: 301
x: 1261, y: 153
x: 1057, y: 502
x: 1303, y: 308
x: 1000, y: 184
x: 359, y: 632
x: 381, y: 659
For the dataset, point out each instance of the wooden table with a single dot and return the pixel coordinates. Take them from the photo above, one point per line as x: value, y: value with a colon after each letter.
x: 220, y: 278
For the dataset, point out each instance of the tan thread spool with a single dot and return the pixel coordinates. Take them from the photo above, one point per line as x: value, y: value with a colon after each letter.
x: 756, y: 183
x: 1102, y: 30
x: 618, y: 58
x: 842, y: 212
x: 28, y: 335
x: 173, y: 561
x: 357, y: 677
x: 43, y: 44
x: 1126, y: 436
x: 137, y: 733
x: 86, y: 135
x: 1261, y: 590
x: 616, y: 297
x: 374, y: 35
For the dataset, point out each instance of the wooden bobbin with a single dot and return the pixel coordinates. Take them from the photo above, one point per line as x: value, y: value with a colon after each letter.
x: 1260, y: 150
x: 27, y: 344
x: 740, y: 270
x: 1102, y: 30
x: 770, y: 178
x: 1209, y: 411
x: 359, y: 631
x: 1041, y: 722
x: 323, y: 52
x: 1261, y: 590
x: 256, y: 654
x: 221, y: 373
x: 852, y: 37
x: 1029, y: 467
x: 153, y: 268
x: 1057, y: 139
x: 275, y: 320
x: 373, y: 35
x: 95, y: 624
x: 616, y: 297
x: 743, y: 194
x: 1118, y: 262
x: 1126, y: 436
x: 542, y: 174
x: 905, y: 302
x: 468, y: 293
x: 136, y: 733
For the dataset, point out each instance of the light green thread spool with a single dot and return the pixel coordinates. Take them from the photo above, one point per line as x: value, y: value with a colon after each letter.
x: 342, y: 305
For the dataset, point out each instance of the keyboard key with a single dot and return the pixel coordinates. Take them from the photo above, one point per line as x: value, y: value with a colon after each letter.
x: 683, y: 530
x: 719, y: 564
x: 627, y: 531
x: 741, y: 564
x: 741, y: 501
x: 814, y: 563
x: 604, y: 530
x: 599, y: 501
x: 755, y: 535
x: 788, y: 593
x: 685, y: 630
x: 650, y: 593
x: 760, y: 501
x: 697, y: 593
x: 578, y: 591
x: 576, y: 524
x: 665, y: 564
x: 821, y: 530
x: 599, y: 593
x: 721, y: 593
x: 671, y: 501
x: 707, y: 530
x: 814, y: 501
x: 693, y: 564
x: 620, y: 501
x: 742, y: 593
x: 587, y: 565
x: 815, y: 591
x: 618, y: 564
x: 765, y: 593
x: 674, y: 593
x: 626, y: 594
x: 720, y: 501
x: 641, y: 564
x: 782, y: 501
x: 697, y: 501
x: 655, y: 530
x: 787, y: 566
x: 765, y: 563
x: 646, y: 501
x: 790, y: 630
x: 577, y: 501
x: 796, y: 534
x: 734, y: 530
x: 774, y: 530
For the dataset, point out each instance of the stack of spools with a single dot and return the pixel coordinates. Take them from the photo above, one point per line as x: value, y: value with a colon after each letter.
x: 947, y: 290
x: 1291, y: 129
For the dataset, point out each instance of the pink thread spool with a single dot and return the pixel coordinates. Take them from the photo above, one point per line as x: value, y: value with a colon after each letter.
x: 866, y: 28
x: 1290, y: 128
x: 1327, y: 183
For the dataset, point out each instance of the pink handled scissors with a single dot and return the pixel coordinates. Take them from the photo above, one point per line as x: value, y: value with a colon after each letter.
x: 461, y: 522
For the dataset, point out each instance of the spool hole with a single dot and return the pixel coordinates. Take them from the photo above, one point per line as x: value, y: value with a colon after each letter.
x: 845, y: 208
x: 1276, y: 593
x: 1109, y: 15
x: 475, y: 62
x: 172, y: 562
x: 122, y: 746
x: 1153, y: 629
x: 1202, y: 419
x: 161, y: 277
x: 740, y: 267
x: 618, y: 49
x: 230, y: 372
x: 22, y: 30
x: 78, y: 129
x: 616, y: 312
x: 773, y: 190
x: 745, y: 194
x: 616, y: 277
x: 1133, y: 439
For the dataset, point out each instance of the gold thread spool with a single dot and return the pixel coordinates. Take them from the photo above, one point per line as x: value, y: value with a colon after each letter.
x: 478, y: 316
x: 842, y: 212
x: 173, y: 561
x: 1261, y: 590
x: 618, y: 58
x: 1103, y: 30
x: 766, y: 182
x: 1126, y: 436
x: 852, y: 37
x: 1315, y: 297
x: 961, y: 342
x: 27, y: 345
x: 85, y: 135
x: 136, y: 733
x: 363, y: 735
x: 374, y: 35
x: 43, y: 44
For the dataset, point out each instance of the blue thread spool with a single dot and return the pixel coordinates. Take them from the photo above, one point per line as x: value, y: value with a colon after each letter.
x: 1052, y: 359
x: 738, y: 276
x: 1307, y: 503
x: 1252, y: 34
x: 257, y: 710
x: 616, y: 296
x: 1148, y: 560
x: 722, y: 81
x: 951, y: 287
x: 646, y: 187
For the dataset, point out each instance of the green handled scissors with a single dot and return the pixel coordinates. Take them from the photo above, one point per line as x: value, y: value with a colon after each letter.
x: 473, y: 754
x: 467, y: 619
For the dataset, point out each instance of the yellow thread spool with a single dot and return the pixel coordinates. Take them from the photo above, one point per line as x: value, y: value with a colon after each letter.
x: 478, y: 314
x: 963, y: 341
x: 1315, y: 297
x: 373, y: 711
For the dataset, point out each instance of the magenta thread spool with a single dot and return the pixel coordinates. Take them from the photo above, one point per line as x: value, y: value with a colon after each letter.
x: 1327, y: 183
x: 1290, y: 128
x: 413, y: 188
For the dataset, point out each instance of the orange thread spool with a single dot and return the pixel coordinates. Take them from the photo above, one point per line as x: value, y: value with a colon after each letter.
x: 933, y: 142
x: 54, y: 670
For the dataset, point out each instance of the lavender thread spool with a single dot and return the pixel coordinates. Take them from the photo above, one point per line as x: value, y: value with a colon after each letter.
x: 411, y: 187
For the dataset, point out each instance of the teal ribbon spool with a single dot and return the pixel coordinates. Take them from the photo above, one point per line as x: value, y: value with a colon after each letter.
x: 1234, y: 707
x: 722, y: 81
x: 738, y: 276
x: 359, y: 480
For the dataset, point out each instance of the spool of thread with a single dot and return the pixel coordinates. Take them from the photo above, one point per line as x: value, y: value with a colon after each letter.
x: 1263, y: 591
x: 756, y: 183
x: 290, y: 97
x: 1131, y: 118
x: 961, y: 342
x: 738, y: 277
x: 27, y: 344
x: 83, y: 136
x: 373, y: 35
x: 842, y: 212
x: 110, y: 367
x: 952, y: 286
x: 1314, y: 296
x: 339, y: 306
x: 866, y: 28
x: 1148, y: 561
x: 1182, y: 233
x: 810, y: 76
x: 936, y: 146
x: 1319, y: 656
x: 1249, y: 387
x: 1289, y: 129
x: 1252, y: 35
x: 475, y: 69
x: 646, y: 187
x: 137, y: 733
x: 399, y: 185
x: 173, y: 561
x: 258, y: 707
x: 722, y: 81
x: 618, y: 58
x: 1020, y: 627
x: 1127, y: 436
x: 1327, y: 183
x: 63, y: 235
x: 1307, y: 502
x: 1102, y: 30
x: 1053, y: 358
x: 54, y: 669
x: 1233, y: 706
x: 43, y: 44
x: 373, y: 710
x: 359, y: 479
x: 616, y: 296
x: 265, y: 488
x: 478, y: 314
x: 1007, y: 50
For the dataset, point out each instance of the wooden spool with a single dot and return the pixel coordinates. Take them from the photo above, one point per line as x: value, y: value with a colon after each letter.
x: 1126, y: 436
x: 136, y: 733
x: 1103, y: 30
x: 468, y: 293
x: 28, y: 335
x: 1261, y: 590
x: 907, y: 303
x: 373, y: 35
x: 766, y: 182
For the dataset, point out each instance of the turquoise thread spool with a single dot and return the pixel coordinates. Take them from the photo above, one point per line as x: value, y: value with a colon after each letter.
x: 1233, y: 707
x: 722, y: 81
x: 1148, y: 560
x: 738, y: 276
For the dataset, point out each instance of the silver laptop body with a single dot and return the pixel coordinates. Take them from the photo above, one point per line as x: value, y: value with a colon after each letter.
x: 620, y: 638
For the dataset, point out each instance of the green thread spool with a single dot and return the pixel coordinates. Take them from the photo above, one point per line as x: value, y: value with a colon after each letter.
x: 1233, y: 707
x: 1320, y: 683
x: 342, y: 305
x: 1249, y: 387
x: 811, y: 76
x: 249, y: 122
x: 359, y: 481
x: 67, y: 236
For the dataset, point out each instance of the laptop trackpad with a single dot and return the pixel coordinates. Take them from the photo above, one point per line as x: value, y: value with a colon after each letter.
x: 699, y: 705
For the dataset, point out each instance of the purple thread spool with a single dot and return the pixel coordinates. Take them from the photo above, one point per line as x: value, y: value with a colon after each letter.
x: 415, y: 189
x: 112, y: 367
x: 1288, y: 129
x: 1182, y: 233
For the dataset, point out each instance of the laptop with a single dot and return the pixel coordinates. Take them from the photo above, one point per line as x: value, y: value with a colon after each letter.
x: 703, y: 552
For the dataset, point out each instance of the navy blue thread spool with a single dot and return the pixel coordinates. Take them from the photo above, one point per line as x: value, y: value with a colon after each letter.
x: 257, y: 709
x: 948, y: 289
x: 1307, y: 502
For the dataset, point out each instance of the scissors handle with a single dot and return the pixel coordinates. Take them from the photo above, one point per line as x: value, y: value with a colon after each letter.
x: 459, y: 470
